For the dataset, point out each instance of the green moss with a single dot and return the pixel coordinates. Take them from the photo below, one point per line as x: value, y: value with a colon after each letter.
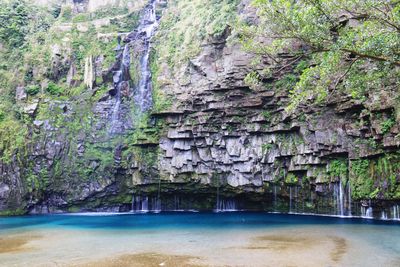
x: 291, y: 179
x: 54, y: 89
x: 81, y: 18
x: 267, y: 115
x: 74, y: 209
x: 266, y: 147
x: 16, y: 212
x: 161, y: 101
x: 187, y: 23
x: 32, y: 89
x: 338, y: 169
x: 287, y: 82
x: 387, y: 125
x: 376, y: 178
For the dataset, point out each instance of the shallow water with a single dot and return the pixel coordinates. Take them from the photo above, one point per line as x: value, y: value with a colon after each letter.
x: 197, y: 239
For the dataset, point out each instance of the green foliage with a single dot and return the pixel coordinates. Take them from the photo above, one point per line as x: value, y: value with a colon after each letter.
x: 187, y: 23
x: 16, y: 212
x: 102, y: 154
x: 252, y: 80
x: 54, y: 89
x: 32, y: 89
x: 80, y: 18
x: 14, y: 21
x: 161, y: 102
x: 362, y: 183
x: 18, y: 19
x: 266, y: 147
x: 338, y: 169
x: 291, y: 179
x: 287, y: 82
x: 267, y: 115
x: 354, y: 56
x: 376, y: 178
x: 387, y: 125
x: 12, y: 136
x: 2, y: 116
x: 37, y: 182
x: 109, y: 12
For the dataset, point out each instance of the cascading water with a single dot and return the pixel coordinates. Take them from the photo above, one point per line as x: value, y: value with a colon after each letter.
x: 349, y: 199
x: 146, y: 29
x: 226, y: 205
x: 341, y: 199
x: 121, y: 79
x: 290, y: 199
x: 121, y: 72
x: 396, y: 212
x: 140, y: 204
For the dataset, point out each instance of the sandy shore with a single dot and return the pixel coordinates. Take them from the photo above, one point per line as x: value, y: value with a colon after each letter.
x: 304, y: 246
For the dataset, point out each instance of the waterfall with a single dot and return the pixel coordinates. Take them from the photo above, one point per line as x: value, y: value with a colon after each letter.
x: 226, y: 205
x: 121, y: 74
x: 341, y: 199
x: 396, y: 212
x: 290, y: 199
x: 140, y: 204
x: 156, y: 204
x: 366, y: 212
x: 349, y: 198
x: 143, y: 94
x: 158, y: 200
x: 176, y: 203
x: 121, y: 78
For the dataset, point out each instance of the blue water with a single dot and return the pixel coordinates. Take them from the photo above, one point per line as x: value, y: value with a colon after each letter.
x: 177, y: 220
x: 216, y: 239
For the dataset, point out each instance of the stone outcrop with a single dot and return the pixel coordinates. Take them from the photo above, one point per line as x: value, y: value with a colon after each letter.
x: 220, y: 136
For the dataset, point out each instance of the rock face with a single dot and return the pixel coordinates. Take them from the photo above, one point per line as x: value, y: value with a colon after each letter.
x: 221, y: 143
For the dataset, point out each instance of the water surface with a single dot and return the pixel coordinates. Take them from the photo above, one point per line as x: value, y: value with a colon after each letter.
x: 197, y: 239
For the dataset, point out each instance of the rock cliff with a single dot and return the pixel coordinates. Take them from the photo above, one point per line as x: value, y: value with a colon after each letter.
x: 209, y: 141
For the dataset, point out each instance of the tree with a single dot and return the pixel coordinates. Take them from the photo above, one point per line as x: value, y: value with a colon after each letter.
x: 352, y: 46
x: 14, y: 20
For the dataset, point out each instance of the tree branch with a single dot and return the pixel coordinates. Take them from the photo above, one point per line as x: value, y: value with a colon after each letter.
x: 377, y: 58
x: 344, y: 74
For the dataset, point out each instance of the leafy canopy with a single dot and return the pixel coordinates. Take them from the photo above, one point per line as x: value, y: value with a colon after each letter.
x: 352, y: 46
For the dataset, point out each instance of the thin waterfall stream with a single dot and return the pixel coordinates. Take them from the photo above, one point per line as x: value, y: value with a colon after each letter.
x: 142, y: 93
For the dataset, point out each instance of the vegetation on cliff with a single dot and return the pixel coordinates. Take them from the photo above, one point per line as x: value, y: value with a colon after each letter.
x: 345, y: 46
x: 319, y: 104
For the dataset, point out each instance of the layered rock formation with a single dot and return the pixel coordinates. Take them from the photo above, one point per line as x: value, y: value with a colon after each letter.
x: 220, y: 142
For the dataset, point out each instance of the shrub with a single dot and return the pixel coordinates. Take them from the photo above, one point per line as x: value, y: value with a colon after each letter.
x: 54, y: 89
x: 2, y: 115
x: 80, y: 18
x: 33, y: 89
x: 387, y: 125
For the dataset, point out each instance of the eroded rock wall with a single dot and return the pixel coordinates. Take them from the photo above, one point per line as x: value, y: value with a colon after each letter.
x: 219, y: 139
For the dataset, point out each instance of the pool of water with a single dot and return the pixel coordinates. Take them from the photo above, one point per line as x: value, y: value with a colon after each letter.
x: 197, y: 239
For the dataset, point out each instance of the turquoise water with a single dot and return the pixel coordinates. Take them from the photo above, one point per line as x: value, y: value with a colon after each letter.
x: 214, y: 239
x: 221, y: 221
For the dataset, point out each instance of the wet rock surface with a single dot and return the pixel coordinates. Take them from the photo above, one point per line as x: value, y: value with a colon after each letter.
x: 220, y: 139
